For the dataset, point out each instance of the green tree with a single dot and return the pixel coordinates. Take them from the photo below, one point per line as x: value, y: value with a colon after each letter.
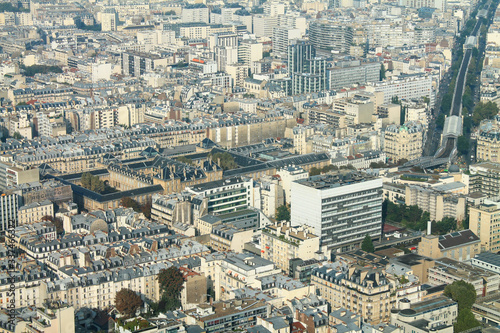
x: 127, y: 302
x: 171, y: 283
x: 461, y: 292
x: 465, y: 321
x: 43, y: 69
x: 465, y: 295
x: 185, y: 160
x: 131, y: 203
x: 463, y: 145
x: 17, y: 136
x: 440, y: 121
x: 282, y: 213
x: 484, y: 111
x: 367, y: 244
x: 225, y: 160
x: 314, y: 171
x: 382, y: 72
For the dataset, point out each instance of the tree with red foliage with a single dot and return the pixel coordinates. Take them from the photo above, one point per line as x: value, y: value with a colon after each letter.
x: 127, y: 302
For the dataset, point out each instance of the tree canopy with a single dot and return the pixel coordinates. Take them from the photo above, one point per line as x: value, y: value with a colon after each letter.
x: 95, y: 184
x: 415, y: 218
x: 43, y: 69
x: 171, y: 283
x: 225, y: 160
x: 367, y: 244
x: 127, y: 302
x: 463, y: 145
x: 283, y: 213
x: 465, y: 295
x: 484, y: 111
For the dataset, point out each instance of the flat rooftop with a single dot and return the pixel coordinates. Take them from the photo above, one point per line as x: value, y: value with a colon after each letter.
x: 461, y: 270
x: 334, y: 180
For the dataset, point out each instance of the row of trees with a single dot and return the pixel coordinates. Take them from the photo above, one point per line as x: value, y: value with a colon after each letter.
x: 43, y: 69
x: 8, y: 7
x: 415, y: 218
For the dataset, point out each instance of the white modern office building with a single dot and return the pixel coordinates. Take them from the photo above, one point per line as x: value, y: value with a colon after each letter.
x: 342, y: 208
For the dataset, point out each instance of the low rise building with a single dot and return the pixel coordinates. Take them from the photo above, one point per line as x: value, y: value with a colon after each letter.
x: 487, y: 260
x: 35, y: 211
x: 224, y: 238
x: 229, y: 315
x: 460, y: 245
x: 485, y: 178
x: 281, y: 243
x: 436, y: 315
x: 483, y: 221
x: 447, y: 271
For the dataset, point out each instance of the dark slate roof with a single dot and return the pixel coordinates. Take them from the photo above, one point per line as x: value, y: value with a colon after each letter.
x: 458, y: 238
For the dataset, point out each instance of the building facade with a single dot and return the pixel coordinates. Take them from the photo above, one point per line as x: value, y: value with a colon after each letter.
x: 282, y: 243
x: 341, y: 208
x: 404, y: 142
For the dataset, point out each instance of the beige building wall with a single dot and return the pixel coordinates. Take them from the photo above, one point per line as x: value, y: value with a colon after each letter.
x: 403, y: 143
x: 484, y: 221
x: 281, y: 243
x: 372, y: 303
x: 35, y: 212
x: 429, y: 247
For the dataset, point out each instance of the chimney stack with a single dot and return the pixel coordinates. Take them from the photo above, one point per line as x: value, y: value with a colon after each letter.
x: 429, y: 228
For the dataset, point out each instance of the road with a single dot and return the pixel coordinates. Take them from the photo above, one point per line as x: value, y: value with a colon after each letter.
x: 448, y: 146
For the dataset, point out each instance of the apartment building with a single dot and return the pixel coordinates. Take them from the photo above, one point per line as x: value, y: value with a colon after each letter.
x: 227, y: 195
x: 240, y: 270
x: 109, y: 20
x: 405, y: 87
x: 136, y: 63
x: 321, y: 115
x: 358, y: 110
x: 347, y: 73
x: 485, y: 178
x: 342, y: 208
x: 35, y: 211
x: 282, y: 37
x: 327, y: 36
x: 288, y: 175
x: 433, y: 315
x: 438, y: 203
x: 281, y: 243
x: 195, y: 13
x: 9, y: 205
x: 98, y: 289
x: 488, y: 261
x: 390, y: 114
x: 404, y: 142
x: 249, y: 51
x: 363, y: 290
x: 41, y: 95
x: 13, y: 174
x: 484, y: 221
x: 446, y: 271
x: 488, y: 145
x: 226, y: 238
x: 461, y: 245
x: 229, y: 316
